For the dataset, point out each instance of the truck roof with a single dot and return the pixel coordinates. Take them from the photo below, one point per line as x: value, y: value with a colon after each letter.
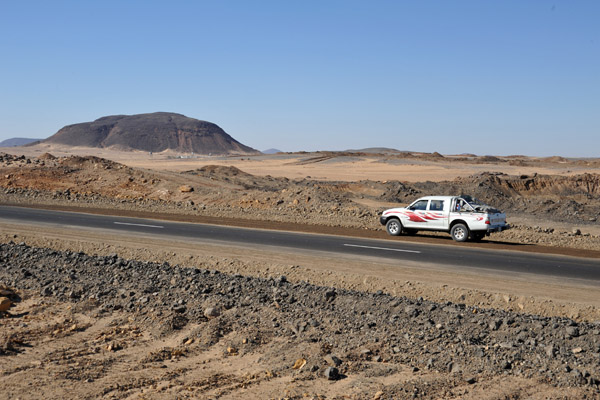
x: 437, y: 197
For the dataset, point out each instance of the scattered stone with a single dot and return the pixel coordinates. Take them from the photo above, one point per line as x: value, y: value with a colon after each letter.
x: 411, y: 311
x: 186, y: 189
x: 332, y: 360
x: 5, y: 304
x: 301, y: 362
x: 572, y: 331
x: 113, y: 347
x: 332, y: 373
x: 330, y: 294
x: 211, y: 312
x: 495, y: 325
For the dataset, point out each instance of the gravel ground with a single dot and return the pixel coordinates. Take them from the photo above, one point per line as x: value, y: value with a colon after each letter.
x: 344, y: 333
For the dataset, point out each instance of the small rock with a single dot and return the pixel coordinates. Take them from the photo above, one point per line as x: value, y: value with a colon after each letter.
x: 179, y: 309
x: 5, y: 303
x: 332, y: 360
x: 113, y: 347
x: 454, y: 368
x: 332, y: 373
x: 330, y: 294
x: 412, y: 311
x: 577, y: 350
x: 572, y: 331
x: 211, y: 312
x: 186, y: 189
x: 366, y: 352
x: 494, y: 325
x: 301, y: 362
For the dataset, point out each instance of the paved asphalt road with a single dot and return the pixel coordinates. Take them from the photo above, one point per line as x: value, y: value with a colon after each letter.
x: 507, y: 261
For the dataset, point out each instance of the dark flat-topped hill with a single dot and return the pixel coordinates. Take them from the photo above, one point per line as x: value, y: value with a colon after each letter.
x: 151, y: 132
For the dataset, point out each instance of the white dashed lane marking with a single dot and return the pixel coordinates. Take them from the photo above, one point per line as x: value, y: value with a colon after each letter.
x: 144, y: 225
x: 382, y: 248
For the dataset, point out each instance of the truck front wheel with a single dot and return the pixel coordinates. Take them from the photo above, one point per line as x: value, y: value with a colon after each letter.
x: 460, y: 233
x: 393, y: 227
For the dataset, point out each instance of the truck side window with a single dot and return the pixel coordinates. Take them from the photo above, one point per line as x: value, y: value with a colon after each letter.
x: 419, y: 205
x: 436, y: 205
x: 460, y: 205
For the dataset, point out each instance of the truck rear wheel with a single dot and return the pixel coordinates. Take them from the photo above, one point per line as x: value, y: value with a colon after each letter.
x: 394, y: 227
x: 460, y: 233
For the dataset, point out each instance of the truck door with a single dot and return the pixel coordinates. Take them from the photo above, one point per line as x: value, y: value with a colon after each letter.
x: 416, y: 215
x: 437, y: 214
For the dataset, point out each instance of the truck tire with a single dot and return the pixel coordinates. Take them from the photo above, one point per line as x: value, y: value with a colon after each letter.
x: 460, y: 233
x: 393, y: 227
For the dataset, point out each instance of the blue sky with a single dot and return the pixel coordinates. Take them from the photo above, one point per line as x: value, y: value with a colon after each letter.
x: 503, y: 77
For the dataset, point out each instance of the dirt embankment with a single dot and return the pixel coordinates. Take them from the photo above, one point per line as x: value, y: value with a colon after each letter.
x: 89, y: 326
x: 565, y: 209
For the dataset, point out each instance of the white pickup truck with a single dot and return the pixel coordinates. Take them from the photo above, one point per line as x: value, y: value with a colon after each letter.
x: 462, y: 216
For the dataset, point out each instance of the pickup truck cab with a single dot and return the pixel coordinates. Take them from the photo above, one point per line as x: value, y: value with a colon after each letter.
x: 462, y: 216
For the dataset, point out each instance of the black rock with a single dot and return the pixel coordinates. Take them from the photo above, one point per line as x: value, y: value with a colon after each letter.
x: 332, y: 373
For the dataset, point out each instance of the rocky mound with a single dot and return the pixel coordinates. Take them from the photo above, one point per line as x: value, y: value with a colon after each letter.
x: 153, y: 132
